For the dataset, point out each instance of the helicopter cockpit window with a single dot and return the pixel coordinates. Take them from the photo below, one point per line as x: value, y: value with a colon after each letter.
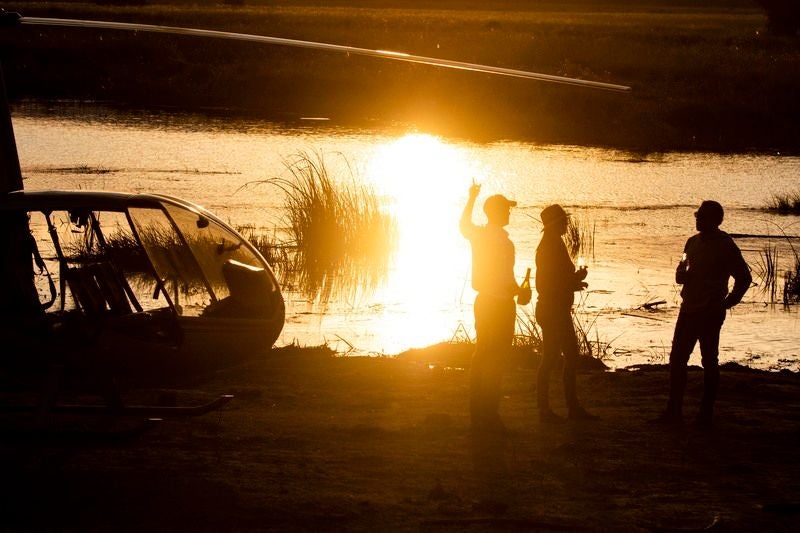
x: 179, y: 273
x: 90, y: 257
x: 237, y: 276
x: 50, y: 269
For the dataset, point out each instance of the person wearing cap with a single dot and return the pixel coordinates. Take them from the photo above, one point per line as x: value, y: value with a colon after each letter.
x: 495, y: 309
x: 711, y: 258
x: 556, y: 283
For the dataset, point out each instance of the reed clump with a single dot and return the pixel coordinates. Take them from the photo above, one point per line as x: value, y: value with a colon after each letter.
x: 529, y: 335
x: 791, y: 284
x: 785, y: 203
x: 766, y: 269
x: 338, y: 237
x: 580, y: 236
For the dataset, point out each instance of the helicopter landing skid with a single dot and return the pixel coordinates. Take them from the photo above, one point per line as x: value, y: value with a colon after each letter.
x: 146, y: 410
x: 124, y: 410
x: 112, y: 404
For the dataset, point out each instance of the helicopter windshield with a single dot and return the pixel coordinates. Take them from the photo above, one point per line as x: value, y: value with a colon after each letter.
x: 201, y: 263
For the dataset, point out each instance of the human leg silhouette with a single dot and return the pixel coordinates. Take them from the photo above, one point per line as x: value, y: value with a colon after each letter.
x: 683, y: 342
x: 494, y: 325
x: 709, y: 350
x: 551, y: 350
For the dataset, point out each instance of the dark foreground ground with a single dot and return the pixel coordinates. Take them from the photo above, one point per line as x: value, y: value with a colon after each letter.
x: 317, y: 442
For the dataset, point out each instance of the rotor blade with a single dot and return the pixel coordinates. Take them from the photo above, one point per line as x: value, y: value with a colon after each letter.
x: 398, y: 56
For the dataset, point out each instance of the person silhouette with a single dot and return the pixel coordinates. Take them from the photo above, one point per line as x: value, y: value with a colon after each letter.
x: 494, y: 308
x: 711, y: 258
x: 556, y: 283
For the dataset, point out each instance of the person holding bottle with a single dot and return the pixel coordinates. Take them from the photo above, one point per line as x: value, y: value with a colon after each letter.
x: 495, y: 310
x: 709, y: 260
x: 556, y: 282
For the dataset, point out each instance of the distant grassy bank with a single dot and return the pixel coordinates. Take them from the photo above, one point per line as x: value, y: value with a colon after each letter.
x: 704, y: 78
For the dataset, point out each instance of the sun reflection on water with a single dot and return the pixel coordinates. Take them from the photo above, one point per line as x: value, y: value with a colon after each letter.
x: 424, y: 182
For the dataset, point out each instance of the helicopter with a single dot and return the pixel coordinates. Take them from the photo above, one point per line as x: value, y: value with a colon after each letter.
x: 145, y: 284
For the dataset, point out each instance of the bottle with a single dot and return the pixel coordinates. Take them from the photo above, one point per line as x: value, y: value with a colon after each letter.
x: 525, y: 289
x: 526, y: 283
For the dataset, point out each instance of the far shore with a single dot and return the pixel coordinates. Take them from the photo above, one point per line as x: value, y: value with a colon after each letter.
x: 705, y: 77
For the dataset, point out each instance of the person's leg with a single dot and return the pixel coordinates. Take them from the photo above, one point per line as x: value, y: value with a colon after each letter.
x: 709, y: 350
x: 479, y: 361
x: 503, y: 322
x: 683, y: 341
x: 550, y: 352
x: 569, y: 347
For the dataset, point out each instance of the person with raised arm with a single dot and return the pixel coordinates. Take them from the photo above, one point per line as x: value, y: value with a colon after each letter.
x: 495, y: 309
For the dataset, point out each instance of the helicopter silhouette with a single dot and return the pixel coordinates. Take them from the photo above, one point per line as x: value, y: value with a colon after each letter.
x: 144, y: 286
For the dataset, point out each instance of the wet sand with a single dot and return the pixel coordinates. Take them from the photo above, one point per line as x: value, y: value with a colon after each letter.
x: 316, y: 442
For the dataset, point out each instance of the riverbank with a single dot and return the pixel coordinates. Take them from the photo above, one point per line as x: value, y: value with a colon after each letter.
x: 313, y: 441
x: 703, y: 78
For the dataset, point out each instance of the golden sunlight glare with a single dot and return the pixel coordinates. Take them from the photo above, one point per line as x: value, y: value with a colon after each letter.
x: 424, y: 182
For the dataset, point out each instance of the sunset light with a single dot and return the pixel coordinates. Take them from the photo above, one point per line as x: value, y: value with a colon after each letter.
x: 423, y: 181
x: 390, y: 266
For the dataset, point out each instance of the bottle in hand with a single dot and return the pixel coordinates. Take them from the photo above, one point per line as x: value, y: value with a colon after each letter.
x: 524, y: 296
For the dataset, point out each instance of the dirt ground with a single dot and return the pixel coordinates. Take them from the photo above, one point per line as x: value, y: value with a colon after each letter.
x: 316, y: 442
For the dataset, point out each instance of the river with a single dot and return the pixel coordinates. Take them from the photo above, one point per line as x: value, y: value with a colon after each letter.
x: 639, y: 208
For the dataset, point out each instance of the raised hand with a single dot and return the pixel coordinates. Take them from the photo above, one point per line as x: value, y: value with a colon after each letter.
x: 474, y: 189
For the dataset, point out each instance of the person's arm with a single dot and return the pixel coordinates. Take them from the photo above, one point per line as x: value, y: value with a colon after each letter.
x: 580, y: 275
x: 465, y: 224
x: 741, y: 278
x: 681, y: 272
x: 555, y: 272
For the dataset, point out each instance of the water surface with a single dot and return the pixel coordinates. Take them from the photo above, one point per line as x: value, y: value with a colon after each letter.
x: 640, y: 207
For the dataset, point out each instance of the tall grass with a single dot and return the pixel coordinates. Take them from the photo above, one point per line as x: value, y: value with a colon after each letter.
x: 589, y: 341
x: 766, y: 268
x: 529, y: 334
x: 791, y: 284
x: 785, y: 203
x: 580, y: 237
x: 341, y: 239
